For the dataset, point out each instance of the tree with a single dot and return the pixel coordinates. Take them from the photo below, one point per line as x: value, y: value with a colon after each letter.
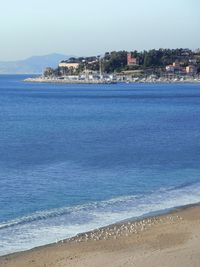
x: 48, y: 72
x: 114, y: 61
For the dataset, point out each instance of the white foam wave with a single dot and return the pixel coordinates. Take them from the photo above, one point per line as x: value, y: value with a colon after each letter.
x: 48, y: 226
x: 43, y: 215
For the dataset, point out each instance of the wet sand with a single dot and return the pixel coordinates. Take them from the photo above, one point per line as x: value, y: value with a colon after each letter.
x: 171, y: 240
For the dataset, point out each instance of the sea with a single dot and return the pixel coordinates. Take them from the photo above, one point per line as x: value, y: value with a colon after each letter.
x: 78, y: 157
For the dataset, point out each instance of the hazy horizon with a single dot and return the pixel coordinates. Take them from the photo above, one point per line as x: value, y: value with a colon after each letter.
x: 36, y: 28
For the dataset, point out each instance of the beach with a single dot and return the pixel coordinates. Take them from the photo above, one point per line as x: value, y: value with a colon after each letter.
x: 171, y: 239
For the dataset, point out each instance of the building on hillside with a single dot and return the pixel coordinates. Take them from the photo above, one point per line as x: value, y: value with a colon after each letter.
x: 68, y: 67
x: 169, y: 68
x: 197, y: 51
x: 176, y: 68
x: 132, y: 61
x: 191, y: 70
x: 193, y: 61
x: 176, y: 64
x: 186, y: 52
x: 129, y: 75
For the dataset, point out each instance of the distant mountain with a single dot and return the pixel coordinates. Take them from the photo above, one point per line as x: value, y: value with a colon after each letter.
x: 32, y: 65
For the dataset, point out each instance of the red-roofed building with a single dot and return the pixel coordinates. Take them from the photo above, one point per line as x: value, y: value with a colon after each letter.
x: 132, y: 61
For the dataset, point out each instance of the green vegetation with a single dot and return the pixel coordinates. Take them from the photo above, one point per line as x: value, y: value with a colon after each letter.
x: 197, y: 57
x: 116, y: 61
x: 163, y: 57
x: 49, y: 72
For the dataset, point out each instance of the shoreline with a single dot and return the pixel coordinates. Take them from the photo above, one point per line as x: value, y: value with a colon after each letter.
x: 63, y: 81
x: 116, y: 236
x: 142, y: 81
x: 148, y: 215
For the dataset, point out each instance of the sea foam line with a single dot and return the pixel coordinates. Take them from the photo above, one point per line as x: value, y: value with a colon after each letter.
x: 103, y: 213
x: 43, y: 215
x: 130, y: 205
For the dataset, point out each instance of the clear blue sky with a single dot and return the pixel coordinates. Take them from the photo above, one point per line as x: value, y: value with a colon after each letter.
x: 87, y: 27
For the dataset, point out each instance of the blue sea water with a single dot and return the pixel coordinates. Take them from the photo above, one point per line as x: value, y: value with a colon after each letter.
x: 77, y: 157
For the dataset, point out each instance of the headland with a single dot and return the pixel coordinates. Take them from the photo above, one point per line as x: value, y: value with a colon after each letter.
x: 153, y: 66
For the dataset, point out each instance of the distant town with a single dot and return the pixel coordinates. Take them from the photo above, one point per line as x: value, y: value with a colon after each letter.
x: 162, y: 65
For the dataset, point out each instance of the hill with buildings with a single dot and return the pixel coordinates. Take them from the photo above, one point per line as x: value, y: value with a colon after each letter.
x: 158, y: 62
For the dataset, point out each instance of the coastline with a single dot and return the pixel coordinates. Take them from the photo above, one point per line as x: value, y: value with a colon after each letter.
x: 169, y: 239
x: 145, y: 80
x: 66, y: 81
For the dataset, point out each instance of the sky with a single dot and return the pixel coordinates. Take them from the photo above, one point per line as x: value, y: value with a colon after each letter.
x: 91, y: 27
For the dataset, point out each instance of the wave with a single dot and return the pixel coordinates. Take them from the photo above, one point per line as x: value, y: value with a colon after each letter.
x: 184, y: 185
x: 46, y: 227
x: 175, y: 195
x: 43, y: 215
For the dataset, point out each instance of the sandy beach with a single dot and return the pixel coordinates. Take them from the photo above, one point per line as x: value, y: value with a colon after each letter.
x: 172, y: 239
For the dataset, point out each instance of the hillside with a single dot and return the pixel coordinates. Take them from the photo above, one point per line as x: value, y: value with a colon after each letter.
x: 32, y: 65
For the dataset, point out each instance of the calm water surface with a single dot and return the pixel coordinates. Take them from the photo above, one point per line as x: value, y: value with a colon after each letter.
x: 76, y: 157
